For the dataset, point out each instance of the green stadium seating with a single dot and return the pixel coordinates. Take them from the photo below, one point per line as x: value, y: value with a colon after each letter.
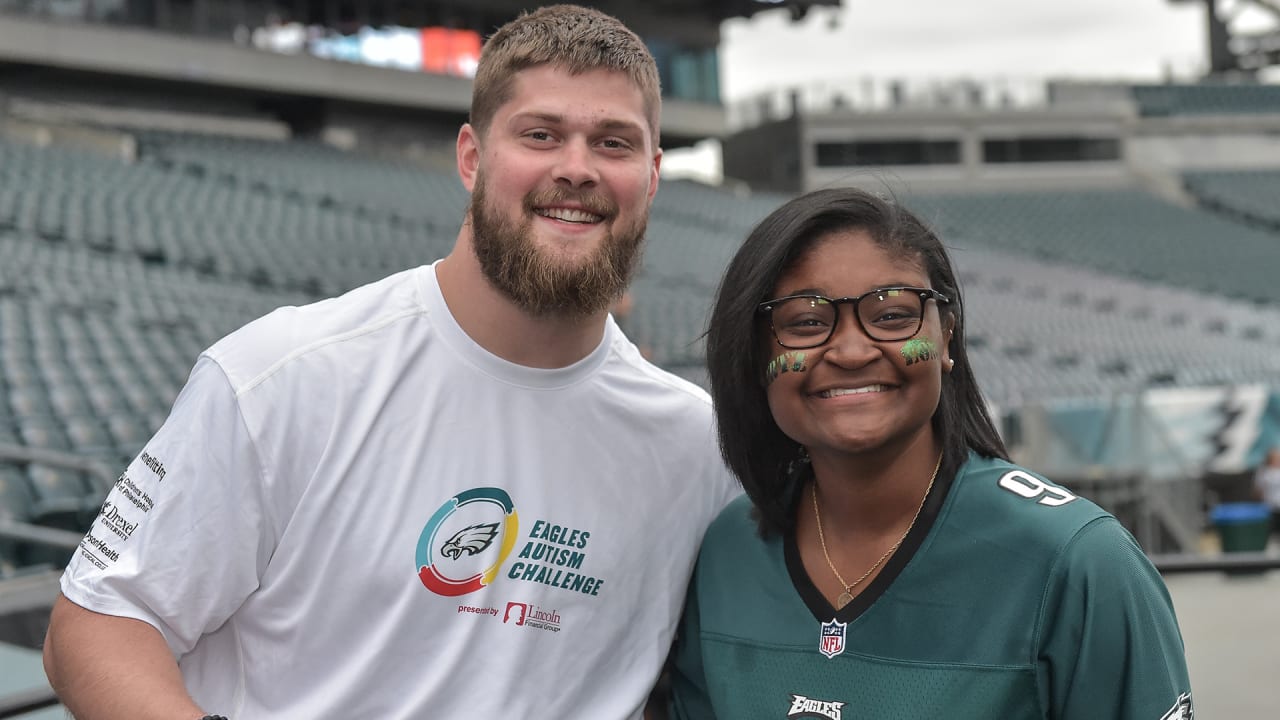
x: 116, y: 276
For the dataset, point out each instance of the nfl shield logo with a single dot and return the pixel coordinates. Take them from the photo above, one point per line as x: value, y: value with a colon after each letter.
x: 832, y: 641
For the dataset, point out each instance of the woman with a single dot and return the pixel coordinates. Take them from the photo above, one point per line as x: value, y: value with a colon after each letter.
x: 888, y: 561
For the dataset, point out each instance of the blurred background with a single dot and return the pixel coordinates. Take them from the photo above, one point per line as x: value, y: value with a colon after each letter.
x: 1107, y: 176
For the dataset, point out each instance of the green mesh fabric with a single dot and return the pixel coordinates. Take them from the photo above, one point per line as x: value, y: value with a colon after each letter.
x: 766, y: 683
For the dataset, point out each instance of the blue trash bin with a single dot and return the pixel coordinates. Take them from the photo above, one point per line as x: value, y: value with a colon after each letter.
x: 1242, y: 527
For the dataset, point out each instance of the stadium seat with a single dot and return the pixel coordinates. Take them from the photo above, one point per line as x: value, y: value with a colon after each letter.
x: 16, y: 504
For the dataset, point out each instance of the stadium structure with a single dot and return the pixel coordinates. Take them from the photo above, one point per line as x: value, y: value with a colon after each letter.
x: 171, y: 169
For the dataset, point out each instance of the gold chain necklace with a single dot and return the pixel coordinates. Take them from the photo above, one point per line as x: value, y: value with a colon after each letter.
x: 846, y: 597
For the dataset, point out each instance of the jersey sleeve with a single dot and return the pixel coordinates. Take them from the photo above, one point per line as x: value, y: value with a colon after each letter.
x: 689, y: 699
x: 183, y: 536
x: 1109, y: 644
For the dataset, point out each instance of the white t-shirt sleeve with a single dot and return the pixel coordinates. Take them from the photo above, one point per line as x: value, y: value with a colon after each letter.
x: 185, y: 534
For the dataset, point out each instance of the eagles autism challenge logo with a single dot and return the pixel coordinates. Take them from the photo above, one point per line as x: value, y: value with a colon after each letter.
x: 453, y: 548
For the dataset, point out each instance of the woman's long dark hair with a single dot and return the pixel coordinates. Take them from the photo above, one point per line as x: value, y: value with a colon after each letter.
x: 754, y: 448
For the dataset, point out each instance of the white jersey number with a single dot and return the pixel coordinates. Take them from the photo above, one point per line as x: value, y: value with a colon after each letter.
x: 1030, y: 487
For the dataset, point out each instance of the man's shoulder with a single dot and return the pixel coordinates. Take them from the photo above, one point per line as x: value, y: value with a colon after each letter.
x: 631, y: 371
x: 274, y: 340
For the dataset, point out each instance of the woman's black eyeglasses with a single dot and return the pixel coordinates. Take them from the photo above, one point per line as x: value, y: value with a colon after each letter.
x: 885, y: 314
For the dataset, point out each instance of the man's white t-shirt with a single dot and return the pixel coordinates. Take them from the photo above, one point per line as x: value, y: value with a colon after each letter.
x: 354, y: 511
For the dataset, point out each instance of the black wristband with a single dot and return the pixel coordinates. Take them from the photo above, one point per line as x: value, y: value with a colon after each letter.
x: 214, y: 717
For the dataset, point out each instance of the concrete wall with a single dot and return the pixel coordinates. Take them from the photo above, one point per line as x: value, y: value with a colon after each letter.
x: 970, y: 128
x: 1153, y: 151
x: 221, y: 66
x: 766, y: 157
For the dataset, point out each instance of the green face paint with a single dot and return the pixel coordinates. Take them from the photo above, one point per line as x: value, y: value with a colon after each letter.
x: 786, y: 362
x: 919, y: 349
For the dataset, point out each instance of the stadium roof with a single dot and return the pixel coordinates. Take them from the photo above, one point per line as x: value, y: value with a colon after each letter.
x: 660, y: 17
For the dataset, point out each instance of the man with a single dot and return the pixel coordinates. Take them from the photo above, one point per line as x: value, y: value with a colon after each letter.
x: 457, y: 492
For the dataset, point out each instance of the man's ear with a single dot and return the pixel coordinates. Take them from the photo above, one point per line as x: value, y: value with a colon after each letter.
x: 655, y: 174
x: 468, y: 156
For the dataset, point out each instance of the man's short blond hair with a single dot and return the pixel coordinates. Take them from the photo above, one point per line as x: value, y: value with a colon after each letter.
x: 576, y: 38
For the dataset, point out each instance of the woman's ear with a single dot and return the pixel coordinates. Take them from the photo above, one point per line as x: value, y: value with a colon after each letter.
x: 949, y: 334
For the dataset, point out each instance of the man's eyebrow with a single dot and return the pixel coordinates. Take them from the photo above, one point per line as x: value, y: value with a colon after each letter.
x: 619, y: 124
x: 611, y: 124
x: 551, y: 118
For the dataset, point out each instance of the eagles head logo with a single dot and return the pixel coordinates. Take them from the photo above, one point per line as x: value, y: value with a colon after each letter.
x: 471, y: 540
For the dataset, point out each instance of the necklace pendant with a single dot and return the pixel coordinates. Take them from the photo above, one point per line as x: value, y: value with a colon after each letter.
x: 844, y: 599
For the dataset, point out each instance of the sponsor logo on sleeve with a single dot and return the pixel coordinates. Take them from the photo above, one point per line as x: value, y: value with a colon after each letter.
x: 154, y: 465
x: 124, y: 509
x: 114, y: 519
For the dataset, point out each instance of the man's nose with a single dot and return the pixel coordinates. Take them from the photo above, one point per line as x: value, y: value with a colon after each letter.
x: 575, y: 164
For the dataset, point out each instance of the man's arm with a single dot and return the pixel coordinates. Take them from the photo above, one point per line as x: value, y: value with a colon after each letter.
x: 196, y: 482
x: 105, y: 667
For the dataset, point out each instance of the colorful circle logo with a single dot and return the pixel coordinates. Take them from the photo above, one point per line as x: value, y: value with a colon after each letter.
x: 435, y: 551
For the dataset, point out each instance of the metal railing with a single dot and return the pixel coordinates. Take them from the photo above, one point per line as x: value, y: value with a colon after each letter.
x: 24, y: 701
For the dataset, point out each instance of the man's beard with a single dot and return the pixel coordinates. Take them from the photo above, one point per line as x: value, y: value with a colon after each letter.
x: 534, y: 279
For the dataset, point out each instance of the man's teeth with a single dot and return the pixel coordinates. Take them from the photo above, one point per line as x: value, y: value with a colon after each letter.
x: 851, y: 391
x: 569, y: 215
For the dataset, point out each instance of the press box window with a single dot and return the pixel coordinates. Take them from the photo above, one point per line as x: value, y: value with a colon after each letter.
x: 1050, y: 149
x: 888, y: 152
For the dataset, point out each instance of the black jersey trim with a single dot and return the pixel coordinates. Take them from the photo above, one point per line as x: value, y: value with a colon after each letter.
x: 813, y: 598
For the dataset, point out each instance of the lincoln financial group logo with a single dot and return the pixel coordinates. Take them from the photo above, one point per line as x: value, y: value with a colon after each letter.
x: 526, y: 615
x: 463, y: 545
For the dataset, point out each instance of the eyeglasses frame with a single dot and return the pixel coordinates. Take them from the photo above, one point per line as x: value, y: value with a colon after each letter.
x: 926, y: 294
